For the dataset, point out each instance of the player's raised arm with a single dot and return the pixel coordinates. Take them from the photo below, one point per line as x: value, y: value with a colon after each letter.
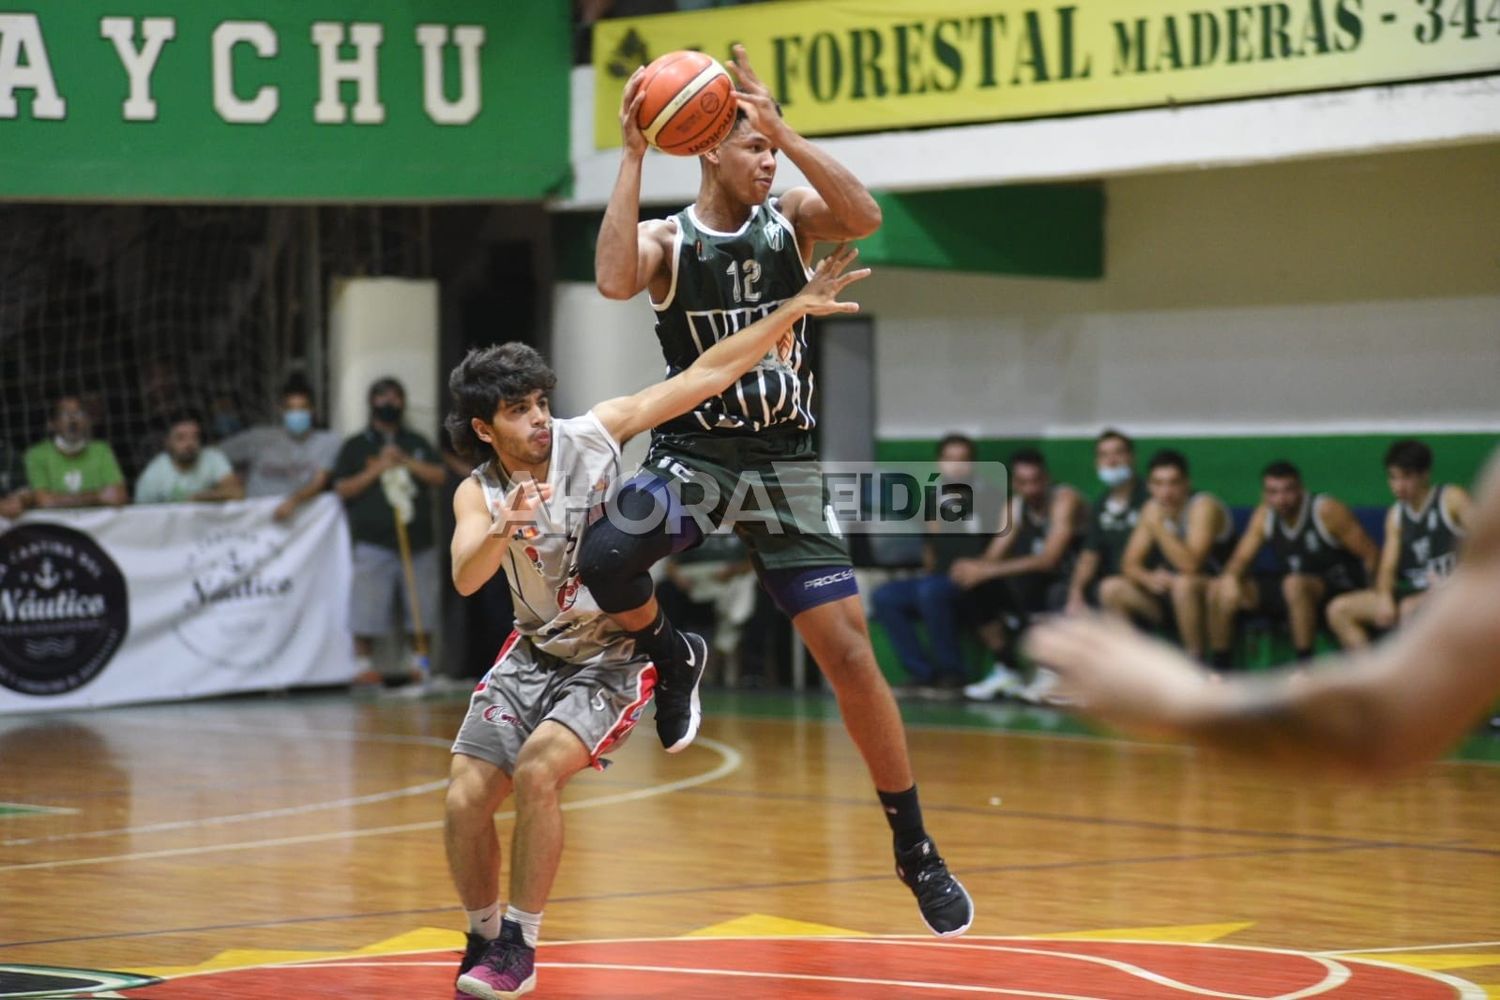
x: 629, y: 253
x: 717, y: 368
x: 838, y: 206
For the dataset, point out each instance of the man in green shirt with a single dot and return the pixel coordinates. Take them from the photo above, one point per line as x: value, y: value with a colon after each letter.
x: 383, y: 461
x: 72, y: 469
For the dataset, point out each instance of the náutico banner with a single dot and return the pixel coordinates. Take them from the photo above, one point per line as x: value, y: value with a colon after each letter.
x: 839, y: 66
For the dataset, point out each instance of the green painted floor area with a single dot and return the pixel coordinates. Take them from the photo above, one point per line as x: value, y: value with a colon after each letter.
x: 1481, y: 746
x: 9, y: 809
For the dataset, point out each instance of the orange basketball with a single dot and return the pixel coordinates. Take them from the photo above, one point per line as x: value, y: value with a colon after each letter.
x: 690, y: 103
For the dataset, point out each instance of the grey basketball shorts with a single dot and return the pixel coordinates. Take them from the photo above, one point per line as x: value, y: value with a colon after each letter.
x: 526, y: 687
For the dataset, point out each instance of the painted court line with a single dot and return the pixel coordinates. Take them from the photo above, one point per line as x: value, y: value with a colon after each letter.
x: 1334, y: 974
x: 1415, y: 947
x: 730, y: 762
x: 739, y: 974
x: 27, y: 809
x: 250, y: 817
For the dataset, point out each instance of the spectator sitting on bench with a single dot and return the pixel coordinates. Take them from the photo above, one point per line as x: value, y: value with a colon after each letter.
x: 1423, y: 532
x: 1026, y: 568
x: 933, y: 598
x: 1111, y: 520
x: 1181, y: 539
x: 1321, y: 553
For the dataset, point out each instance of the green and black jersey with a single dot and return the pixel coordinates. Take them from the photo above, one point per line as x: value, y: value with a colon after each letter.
x: 1307, y: 546
x: 721, y: 283
x: 1033, y: 526
x: 1429, y: 544
x: 1110, y: 525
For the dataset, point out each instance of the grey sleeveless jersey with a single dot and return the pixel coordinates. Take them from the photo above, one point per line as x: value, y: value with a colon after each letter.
x: 553, y: 608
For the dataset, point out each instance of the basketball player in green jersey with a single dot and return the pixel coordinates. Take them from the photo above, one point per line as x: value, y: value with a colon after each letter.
x: 1369, y: 713
x: 719, y: 264
x: 1422, y: 534
x: 1321, y: 553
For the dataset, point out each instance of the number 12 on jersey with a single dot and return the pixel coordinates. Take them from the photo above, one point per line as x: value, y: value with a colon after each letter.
x: 745, y: 291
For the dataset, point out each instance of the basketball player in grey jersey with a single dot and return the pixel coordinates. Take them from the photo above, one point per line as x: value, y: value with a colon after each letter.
x: 713, y: 267
x: 569, y: 684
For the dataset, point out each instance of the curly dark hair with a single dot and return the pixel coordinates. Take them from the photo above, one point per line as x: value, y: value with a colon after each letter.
x: 1409, y: 455
x: 484, y: 381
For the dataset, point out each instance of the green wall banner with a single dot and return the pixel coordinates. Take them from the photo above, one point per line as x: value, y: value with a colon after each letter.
x: 871, y: 65
x: 283, y: 99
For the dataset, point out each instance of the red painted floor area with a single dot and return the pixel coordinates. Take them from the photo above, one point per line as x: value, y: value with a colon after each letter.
x: 849, y: 969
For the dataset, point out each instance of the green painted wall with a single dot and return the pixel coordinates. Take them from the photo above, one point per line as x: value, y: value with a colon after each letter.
x: 1346, y: 465
x: 1054, y: 230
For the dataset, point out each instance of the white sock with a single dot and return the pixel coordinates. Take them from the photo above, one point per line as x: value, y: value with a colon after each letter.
x: 531, y: 923
x: 485, y: 922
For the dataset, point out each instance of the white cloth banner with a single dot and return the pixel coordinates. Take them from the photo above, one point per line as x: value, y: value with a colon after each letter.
x: 137, y: 604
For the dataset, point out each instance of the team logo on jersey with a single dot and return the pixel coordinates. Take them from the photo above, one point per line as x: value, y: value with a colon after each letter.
x: 1312, y: 543
x: 1422, y: 549
x: 775, y: 234
x: 535, y: 558
x: 1432, y: 517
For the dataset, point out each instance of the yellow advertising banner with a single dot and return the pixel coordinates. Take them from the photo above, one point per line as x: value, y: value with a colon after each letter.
x: 840, y: 66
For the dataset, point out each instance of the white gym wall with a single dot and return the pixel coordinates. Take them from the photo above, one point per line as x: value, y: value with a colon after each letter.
x: 379, y: 327
x: 1315, y: 296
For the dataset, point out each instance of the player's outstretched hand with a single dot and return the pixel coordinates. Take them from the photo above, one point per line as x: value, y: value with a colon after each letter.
x: 755, y: 98
x: 1108, y: 670
x: 821, y: 293
x: 631, y: 137
x: 518, y: 509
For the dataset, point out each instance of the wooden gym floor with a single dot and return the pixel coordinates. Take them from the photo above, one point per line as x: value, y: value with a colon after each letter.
x: 292, y: 848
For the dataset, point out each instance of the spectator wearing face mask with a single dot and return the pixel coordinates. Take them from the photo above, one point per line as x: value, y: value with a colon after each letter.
x: 186, y: 471
x: 1111, y: 519
x: 72, y: 469
x: 384, y: 472
x: 290, y: 459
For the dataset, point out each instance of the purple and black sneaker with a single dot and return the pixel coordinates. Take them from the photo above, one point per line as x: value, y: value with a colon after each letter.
x: 474, y: 949
x: 506, y: 969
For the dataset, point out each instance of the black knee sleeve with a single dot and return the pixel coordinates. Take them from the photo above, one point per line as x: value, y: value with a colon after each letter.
x: 620, y: 548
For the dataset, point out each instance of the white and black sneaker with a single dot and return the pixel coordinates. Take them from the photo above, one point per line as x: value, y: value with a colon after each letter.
x: 679, y: 712
x: 944, y: 903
